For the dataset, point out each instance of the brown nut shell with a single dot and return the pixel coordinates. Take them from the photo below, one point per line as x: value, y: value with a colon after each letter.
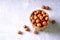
x: 46, y: 18
x: 32, y: 17
x: 44, y: 23
x: 41, y: 17
x: 53, y: 21
x: 35, y: 31
x: 38, y: 24
x: 19, y: 32
x: 37, y: 20
x: 43, y: 6
x: 35, y: 17
x: 47, y: 7
x: 33, y: 21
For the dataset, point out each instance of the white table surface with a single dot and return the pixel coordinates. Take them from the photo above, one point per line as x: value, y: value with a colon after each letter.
x: 15, y: 13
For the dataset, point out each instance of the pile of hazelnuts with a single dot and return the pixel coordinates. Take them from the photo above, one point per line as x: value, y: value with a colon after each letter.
x: 39, y: 19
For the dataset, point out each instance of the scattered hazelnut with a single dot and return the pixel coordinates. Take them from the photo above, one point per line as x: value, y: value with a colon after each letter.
x: 44, y: 23
x: 53, y: 21
x: 43, y: 6
x: 47, y: 7
x: 19, y: 32
x: 26, y: 28
x: 35, y: 31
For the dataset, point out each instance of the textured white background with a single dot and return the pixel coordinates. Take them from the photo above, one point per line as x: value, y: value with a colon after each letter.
x: 15, y: 13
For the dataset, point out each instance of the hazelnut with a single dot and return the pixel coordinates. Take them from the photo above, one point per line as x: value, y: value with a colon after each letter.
x: 32, y: 17
x: 37, y: 20
x: 46, y: 18
x: 19, y: 32
x: 38, y: 24
x: 43, y: 20
x: 33, y: 21
x: 43, y: 6
x: 38, y: 11
x: 35, y: 24
x: 25, y: 26
x: 41, y: 17
x: 27, y: 29
x: 44, y: 23
x: 35, y: 31
x: 35, y: 13
x: 53, y: 21
x: 47, y: 7
x: 35, y: 17
x: 43, y: 12
x: 44, y: 15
